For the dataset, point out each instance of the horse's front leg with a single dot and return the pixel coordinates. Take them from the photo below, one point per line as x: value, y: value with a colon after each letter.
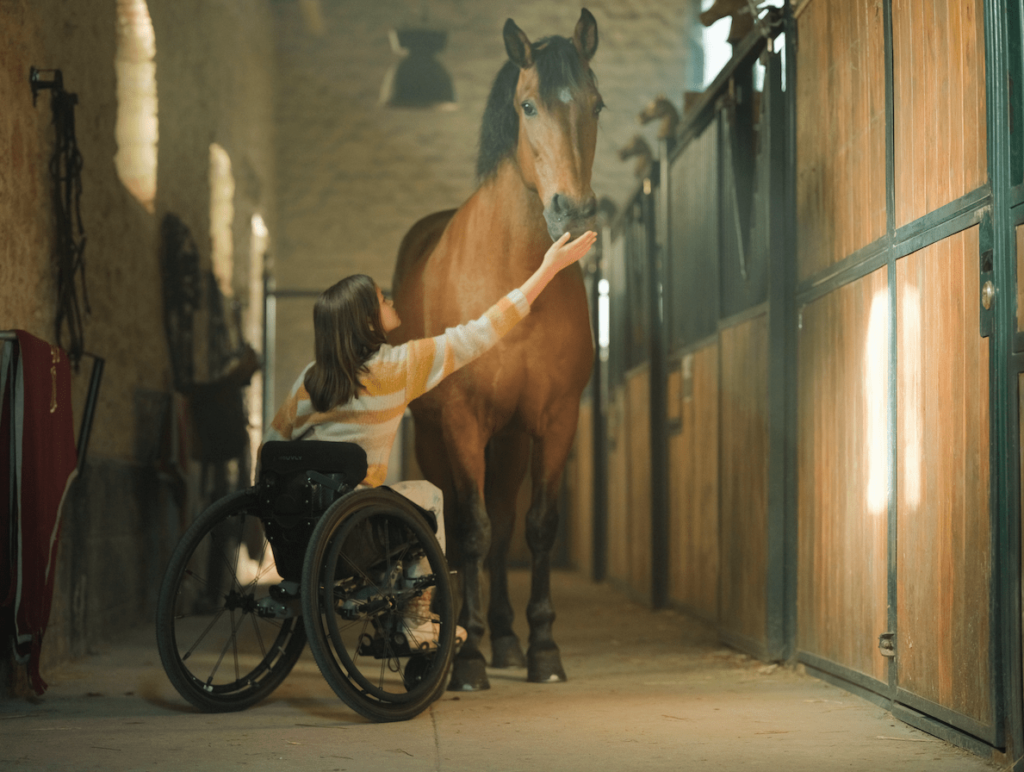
x: 544, y: 662
x: 472, y: 530
x: 507, y: 456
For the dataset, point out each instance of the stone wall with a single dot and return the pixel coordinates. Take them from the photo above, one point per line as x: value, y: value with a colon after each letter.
x: 215, y: 82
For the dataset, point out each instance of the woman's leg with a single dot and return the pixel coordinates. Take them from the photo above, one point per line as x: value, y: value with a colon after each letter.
x: 427, y: 495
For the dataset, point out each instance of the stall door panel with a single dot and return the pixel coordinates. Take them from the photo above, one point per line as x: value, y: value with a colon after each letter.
x: 943, y: 522
x: 618, y: 489
x: 580, y: 477
x: 843, y: 376
x: 743, y: 478
x: 693, y: 487
x: 939, y: 103
x: 840, y: 102
x: 638, y: 429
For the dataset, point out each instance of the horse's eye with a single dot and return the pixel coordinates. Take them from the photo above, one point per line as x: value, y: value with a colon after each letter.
x: 598, y: 108
x: 529, y: 109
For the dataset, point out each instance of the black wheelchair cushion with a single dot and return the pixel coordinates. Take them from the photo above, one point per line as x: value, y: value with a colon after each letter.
x: 288, y: 457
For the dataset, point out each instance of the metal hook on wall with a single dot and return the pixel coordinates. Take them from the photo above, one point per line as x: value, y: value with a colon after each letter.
x: 35, y: 80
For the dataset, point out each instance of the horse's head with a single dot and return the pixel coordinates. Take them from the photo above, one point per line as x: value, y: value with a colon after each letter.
x: 543, y: 112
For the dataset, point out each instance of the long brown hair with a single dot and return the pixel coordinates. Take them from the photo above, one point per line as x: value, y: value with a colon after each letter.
x: 346, y: 332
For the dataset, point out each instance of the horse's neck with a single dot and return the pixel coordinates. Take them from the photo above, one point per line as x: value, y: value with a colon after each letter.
x: 505, y: 215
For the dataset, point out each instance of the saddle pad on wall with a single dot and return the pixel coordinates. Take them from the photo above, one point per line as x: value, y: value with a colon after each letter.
x: 38, y: 461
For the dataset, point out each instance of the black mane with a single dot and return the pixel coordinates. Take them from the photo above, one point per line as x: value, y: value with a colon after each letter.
x: 558, y: 66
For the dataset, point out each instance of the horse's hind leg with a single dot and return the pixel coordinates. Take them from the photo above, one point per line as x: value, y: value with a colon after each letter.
x: 507, y: 456
x: 544, y: 662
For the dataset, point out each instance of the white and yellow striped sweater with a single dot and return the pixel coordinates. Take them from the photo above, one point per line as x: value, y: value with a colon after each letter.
x: 397, y: 375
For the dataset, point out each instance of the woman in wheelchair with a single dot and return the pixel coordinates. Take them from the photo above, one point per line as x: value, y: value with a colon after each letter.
x: 358, y: 387
x: 319, y: 549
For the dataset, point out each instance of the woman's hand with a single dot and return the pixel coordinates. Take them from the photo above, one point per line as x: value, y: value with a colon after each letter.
x: 564, y: 252
x: 561, y: 254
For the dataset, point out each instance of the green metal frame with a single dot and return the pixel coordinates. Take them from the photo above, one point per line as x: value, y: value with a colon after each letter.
x: 997, y: 207
x: 989, y: 206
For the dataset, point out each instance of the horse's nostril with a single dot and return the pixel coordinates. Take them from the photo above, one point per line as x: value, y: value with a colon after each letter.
x: 559, y: 204
x: 589, y: 208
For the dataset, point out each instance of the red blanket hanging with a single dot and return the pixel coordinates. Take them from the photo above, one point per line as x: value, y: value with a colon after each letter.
x: 38, y: 461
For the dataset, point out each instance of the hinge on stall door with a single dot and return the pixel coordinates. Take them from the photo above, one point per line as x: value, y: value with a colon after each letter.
x: 887, y: 644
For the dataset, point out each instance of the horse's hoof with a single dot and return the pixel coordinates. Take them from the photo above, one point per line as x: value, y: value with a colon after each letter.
x: 506, y: 652
x: 469, y: 675
x: 545, y: 667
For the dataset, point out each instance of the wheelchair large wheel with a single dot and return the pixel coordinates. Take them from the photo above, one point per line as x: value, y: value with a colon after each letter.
x: 359, y: 599
x: 227, y: 628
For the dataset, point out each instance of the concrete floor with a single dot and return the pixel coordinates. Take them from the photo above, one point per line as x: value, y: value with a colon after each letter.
x: 647, y: 691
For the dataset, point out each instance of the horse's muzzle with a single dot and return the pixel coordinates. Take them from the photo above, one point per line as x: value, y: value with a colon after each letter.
x: 566, y: 214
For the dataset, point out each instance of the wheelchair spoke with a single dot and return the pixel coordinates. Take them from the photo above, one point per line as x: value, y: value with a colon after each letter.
x: 230, y: 642
x: 259, y: 635
x: 193, y: 575
x: 271, y: 566
x: 202, y: 635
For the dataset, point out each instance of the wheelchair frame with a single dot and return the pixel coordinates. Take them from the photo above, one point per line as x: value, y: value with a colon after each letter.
x: 346, y: 570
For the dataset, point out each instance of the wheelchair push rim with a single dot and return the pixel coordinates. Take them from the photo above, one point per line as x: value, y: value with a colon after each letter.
x: 357, y: 595
x: 225, y: 641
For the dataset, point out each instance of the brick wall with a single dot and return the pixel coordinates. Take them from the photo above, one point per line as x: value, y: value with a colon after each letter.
x: 215, y: 62
x: 353, y: 176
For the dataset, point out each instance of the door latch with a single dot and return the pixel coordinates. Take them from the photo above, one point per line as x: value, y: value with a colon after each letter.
x: 887, y: 644
x: 987, y: 278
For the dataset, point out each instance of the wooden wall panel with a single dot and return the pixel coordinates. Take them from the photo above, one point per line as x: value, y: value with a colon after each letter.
x: 939, y: 102
x: 843, y: 475
x: 580, y: 481
x: 743, y: 476
x: 840, y: 97
x: 943, y: 531
x: 618, y: 490
x: 693, y: 486
x: 638, y: 386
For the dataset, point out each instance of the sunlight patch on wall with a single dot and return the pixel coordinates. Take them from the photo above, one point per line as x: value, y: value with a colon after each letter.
x: 911, y: 432
x: 136, y: 129
x: 258, y: 244
x: 876, y: 396
x: 222, y: 215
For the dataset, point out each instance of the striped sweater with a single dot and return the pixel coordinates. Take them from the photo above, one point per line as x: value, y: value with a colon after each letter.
x: 397, y: 375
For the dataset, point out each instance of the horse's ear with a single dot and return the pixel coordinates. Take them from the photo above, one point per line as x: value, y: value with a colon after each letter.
x: 517, y: 45
x: 585, y: 37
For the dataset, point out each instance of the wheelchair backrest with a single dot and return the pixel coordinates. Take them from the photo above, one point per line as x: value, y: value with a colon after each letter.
x: 297, y: 477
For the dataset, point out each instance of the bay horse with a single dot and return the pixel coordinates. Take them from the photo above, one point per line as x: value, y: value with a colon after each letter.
x: 517, y: 405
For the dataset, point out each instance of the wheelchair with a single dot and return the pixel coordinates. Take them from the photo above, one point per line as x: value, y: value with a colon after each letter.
x: 305, y: 556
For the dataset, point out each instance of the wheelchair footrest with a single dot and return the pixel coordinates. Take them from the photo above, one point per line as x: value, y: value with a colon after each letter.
x: 395, y: 645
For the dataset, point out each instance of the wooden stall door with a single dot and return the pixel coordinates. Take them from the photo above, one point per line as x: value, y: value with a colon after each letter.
x: 840, y: 97
x: 944, y: 566
x: 693, y: 485
x: 638, y: 526
x: 618, y: 489
x: 843, y: 475
x: 580, y: 484
x: 743, y: 484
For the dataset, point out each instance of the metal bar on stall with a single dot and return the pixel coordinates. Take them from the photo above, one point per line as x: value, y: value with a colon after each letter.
x: 657, y: 209
x: 599, y: 420
x: 270, y: 298
x: 85, y: 428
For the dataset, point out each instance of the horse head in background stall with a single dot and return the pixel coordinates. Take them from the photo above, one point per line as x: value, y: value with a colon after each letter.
x: 519, y: 403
